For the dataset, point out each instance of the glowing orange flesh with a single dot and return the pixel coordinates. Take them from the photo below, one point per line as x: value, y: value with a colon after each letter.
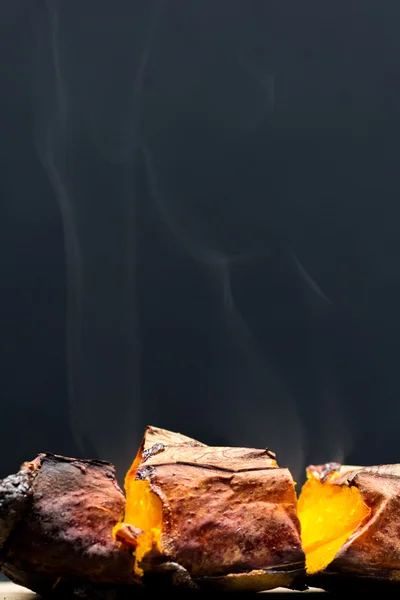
x: 143, y: 510
x: 329, y: 515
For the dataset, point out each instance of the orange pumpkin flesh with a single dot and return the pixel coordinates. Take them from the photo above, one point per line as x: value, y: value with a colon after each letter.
x: 329, y: 514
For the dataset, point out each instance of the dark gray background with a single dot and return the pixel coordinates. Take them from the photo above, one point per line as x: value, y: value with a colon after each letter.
x: 199, y: 227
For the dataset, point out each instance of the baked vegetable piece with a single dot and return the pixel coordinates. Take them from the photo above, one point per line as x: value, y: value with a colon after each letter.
x: 350, y: 519
x: 56, y: 520
x: 213, y: 516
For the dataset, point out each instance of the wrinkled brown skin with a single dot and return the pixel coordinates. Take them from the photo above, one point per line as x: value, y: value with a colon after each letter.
x: 156, y: 435
x: 56, y: 521
x: 229, y: 516
x: 372, y: 554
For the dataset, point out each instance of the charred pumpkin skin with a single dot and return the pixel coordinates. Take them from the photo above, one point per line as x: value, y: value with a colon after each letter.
x: 57, y: 515
x: 56, y: 521
x: 372, y: 553
x: 227, y: 516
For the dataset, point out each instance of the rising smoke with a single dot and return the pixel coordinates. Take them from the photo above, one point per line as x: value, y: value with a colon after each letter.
x: 103, y: 357
x: 90, y: 83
